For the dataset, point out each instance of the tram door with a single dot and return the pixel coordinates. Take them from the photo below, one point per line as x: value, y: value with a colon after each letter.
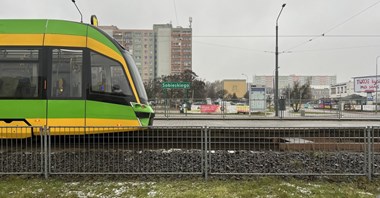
x: 66, y: 105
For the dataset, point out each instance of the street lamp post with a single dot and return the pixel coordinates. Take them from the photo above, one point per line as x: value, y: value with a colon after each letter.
x: 276, y: 90
x: 247, y: 80
x: 377, y: 58
x: 249, y: 101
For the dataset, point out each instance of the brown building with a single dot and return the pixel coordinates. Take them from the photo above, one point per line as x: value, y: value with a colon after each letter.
x: 238, y: 87
x: 181, y: 50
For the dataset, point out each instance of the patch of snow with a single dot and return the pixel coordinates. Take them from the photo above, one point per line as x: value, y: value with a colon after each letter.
x: 152, y: 194
x: 366, y: 193
x: 288, y: 184
x: 120, y: 191
x: 314, y: 185
x: 171, y: 150
x: 78, y: 193
x: 73, y: 184
x: 303, y: 190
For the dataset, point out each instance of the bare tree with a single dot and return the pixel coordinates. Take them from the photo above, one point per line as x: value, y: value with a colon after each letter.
x: 298, y: 94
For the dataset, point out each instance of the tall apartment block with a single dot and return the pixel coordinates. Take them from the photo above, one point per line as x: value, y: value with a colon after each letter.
x: 159, y: 52
x: 140, y: 43
x: 173, y: 49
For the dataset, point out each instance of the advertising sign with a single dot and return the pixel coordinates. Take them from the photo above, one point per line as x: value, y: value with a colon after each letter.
x: 257, y: 98
x: 366, y: 84
x: 209, y: 108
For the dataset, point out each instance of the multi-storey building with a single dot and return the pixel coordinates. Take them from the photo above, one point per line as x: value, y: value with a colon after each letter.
x: 181, y: 50
x: 286, y: 81
x: 342, y: 90
x: 173, y: 49
x: 320, y: 91
x: 140, y: 43
x: 159, y: 52
x: 162, y: 53
x: 319, y: 84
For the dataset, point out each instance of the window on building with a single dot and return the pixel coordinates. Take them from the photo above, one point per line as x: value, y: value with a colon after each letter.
x: 234, y: 88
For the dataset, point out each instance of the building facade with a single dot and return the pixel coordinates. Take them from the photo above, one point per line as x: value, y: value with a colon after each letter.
x: 341, y: 90
x: 181, y: 50
x: 320, y: 91
x: 346, y: 89
x: 287, y: 81
x: 237, y: 87
x: 162, y: 51
x: 320, y: 85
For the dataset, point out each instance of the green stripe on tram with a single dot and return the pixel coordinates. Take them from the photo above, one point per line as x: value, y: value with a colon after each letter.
x: 66, y: 27
x: 66, y: 108
x: 26, y: 108
x: 109, y: 111
x: 17, y: 26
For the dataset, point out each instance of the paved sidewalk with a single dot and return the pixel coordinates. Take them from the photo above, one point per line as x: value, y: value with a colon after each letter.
x: 265, y: 123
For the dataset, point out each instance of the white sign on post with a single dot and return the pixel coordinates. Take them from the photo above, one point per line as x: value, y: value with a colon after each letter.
x: 257, y: 98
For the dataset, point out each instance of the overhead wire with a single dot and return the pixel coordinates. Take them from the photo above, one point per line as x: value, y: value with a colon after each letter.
x: 337, y: 48
x: 289, y: 36
x: 282, y: 52
x: 314, y: 37
x: 332, y: 28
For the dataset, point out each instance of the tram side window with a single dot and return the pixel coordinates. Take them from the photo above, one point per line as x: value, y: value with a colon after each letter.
x: 66, y: 73
x: 108, y: 76
x: 19, y: 73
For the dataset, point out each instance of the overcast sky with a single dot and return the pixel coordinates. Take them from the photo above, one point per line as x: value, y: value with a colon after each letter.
x: 235, y: 37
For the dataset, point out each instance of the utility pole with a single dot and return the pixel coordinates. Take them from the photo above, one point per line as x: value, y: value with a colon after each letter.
x: 276, y: 78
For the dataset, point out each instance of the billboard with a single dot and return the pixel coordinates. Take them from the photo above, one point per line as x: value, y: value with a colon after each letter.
x: 257, y: 99
x: 366, y: 84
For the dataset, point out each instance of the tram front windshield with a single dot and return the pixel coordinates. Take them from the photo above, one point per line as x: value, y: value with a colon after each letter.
x: 136, y: 78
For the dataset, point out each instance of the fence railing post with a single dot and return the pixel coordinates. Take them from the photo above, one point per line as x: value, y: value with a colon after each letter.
x: 205, y: 152
x: 373, y: 150
x: 46, y: 154
x: 339, y: 109
x: 369, y: 153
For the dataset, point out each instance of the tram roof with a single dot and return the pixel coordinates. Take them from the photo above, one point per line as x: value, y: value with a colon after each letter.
x: 50, y: 32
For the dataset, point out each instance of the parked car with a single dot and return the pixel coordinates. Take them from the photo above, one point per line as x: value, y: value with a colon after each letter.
x: 185, y: 107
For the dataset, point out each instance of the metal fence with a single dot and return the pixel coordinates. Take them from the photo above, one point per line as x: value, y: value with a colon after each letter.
x: 288, y: 151
x: 375, y: 148
x: 126, y: 150
x: 301, y: 109
x: 22, y: 156
x: 352, y: 151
